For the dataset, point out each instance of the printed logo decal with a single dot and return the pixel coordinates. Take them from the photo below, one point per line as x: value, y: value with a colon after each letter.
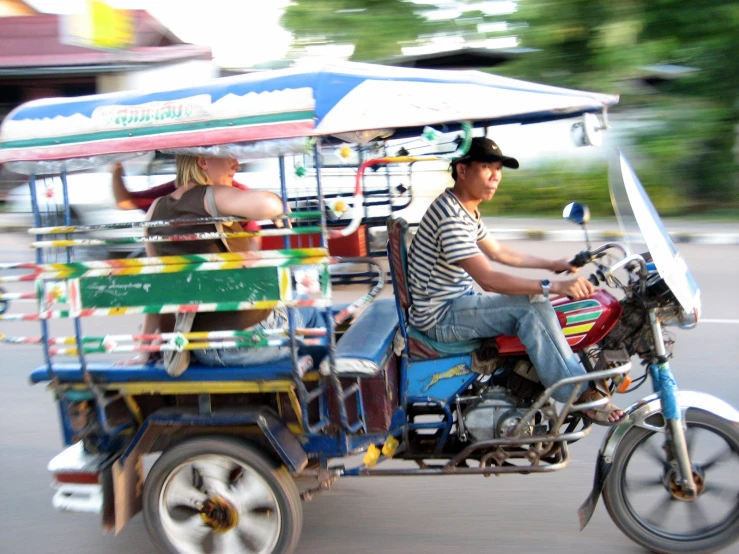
x: 456, y: 371
x: 152, y: 112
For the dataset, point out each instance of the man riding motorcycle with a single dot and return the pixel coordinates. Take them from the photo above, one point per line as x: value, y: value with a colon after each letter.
x: 452, y: 248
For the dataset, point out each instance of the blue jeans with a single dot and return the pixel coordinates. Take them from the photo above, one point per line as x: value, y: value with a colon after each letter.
x: 223, y: 357
x: 534, y: 321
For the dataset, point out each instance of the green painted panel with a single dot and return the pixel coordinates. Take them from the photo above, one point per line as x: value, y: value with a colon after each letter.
x: 266, y: 119
x: 583, y: 317
x: 196, y: 287
x: 580, y: 305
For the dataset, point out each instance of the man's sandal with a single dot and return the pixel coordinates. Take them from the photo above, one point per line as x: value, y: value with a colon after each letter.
x: 600, y: 414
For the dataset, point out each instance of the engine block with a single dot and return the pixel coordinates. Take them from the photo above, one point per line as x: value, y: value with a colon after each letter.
x: 495, y: 416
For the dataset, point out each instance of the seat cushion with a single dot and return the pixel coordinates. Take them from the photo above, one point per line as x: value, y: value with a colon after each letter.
x: 106, y: 372
x: 363, y: 350
x: 444, y: 348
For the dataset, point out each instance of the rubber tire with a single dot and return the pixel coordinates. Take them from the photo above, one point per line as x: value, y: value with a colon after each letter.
x: 279, y: 479
x: 614, y: 500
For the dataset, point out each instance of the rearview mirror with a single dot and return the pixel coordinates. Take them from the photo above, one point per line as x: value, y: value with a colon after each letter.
x: 587, y: 132
x: 577, y: 213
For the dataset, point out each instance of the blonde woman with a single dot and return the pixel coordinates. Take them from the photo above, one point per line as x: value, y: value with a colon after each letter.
x: 195, y: 174
x: 142, y: 200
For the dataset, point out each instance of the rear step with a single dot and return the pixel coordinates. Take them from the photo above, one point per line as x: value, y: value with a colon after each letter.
x: 77, y: 480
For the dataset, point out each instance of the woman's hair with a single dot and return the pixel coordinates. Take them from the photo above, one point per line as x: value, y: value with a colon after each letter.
x: 188, y: 171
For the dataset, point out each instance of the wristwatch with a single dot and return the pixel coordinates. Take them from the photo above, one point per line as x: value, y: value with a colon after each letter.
x: 546, y: 286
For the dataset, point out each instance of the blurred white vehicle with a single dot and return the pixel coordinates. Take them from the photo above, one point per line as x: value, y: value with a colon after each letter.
x: 92, y: 202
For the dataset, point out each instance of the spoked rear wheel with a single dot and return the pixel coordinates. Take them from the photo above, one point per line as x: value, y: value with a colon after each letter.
x: 644, y: 499
x: 221, y: 496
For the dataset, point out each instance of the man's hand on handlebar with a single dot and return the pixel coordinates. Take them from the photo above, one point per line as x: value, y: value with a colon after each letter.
x: 563, y: 266
x: 576, y: 289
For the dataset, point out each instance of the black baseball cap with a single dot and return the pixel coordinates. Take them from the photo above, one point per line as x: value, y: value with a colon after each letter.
x: 482, y: 149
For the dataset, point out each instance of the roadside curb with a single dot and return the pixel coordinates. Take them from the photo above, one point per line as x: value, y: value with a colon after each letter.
x: 379, y: 237
x: 13, y: 229
x: 604, y: 236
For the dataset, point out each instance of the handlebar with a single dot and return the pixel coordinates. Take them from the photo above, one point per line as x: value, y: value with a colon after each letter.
x: 623, y: 262
x: 605, y: 273
x: 586, y: 256
x: 583, y: 258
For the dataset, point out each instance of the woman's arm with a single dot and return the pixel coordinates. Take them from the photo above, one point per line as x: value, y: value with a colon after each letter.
x: 120, y: 193
x: 141, y: 200
x: 251, y: 204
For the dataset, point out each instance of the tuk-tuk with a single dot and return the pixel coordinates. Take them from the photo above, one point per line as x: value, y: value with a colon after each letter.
x: 232, y: 440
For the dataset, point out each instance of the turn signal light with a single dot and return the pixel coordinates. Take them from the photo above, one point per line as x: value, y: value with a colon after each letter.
x: 625, y: 384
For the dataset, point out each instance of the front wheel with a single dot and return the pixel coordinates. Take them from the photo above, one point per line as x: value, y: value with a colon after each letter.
x: 220, y: 495
x: 646, y: 503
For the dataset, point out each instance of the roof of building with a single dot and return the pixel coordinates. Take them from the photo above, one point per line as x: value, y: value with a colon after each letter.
x: 28, y: 42
x: 460, y: 58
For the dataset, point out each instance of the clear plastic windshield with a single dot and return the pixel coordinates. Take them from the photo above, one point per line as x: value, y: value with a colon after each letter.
x: 641, y: 224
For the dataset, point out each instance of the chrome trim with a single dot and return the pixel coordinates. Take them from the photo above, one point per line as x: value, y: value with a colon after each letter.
x: 639, y: 412
x: 75, y: 497
x: 70, y: 497
x: 603, y: 247
x: 608, y: 274
x: 74, y: 459
x: 578, y: 380
x: 675, y: 316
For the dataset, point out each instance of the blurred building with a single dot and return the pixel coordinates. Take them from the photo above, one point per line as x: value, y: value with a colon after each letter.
x: 39, y: 59
x: 460, y: 58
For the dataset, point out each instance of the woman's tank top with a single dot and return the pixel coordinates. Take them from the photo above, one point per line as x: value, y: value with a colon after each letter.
x: 191, y: 205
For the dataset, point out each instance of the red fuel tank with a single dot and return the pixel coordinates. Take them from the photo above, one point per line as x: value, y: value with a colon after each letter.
x: 584, y: 322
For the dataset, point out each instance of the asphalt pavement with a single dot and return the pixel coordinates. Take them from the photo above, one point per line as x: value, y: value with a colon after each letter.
x: 414, y: 515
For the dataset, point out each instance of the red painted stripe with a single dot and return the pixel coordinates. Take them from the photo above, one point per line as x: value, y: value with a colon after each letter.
x: 178, y: 140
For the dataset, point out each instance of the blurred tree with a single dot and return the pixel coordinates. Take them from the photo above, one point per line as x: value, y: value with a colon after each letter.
x: 374, y: 27
x: 688, y: 125
x: 379, y: 29
x: 612, y: 46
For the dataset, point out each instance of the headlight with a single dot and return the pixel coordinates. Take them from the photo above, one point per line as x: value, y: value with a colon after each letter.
x: 677, y: 317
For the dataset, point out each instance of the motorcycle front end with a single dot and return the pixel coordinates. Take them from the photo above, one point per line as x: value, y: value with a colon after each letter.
x: 666, y: 469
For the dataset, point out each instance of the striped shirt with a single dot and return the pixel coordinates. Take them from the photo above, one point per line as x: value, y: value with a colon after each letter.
x: 447, y: 234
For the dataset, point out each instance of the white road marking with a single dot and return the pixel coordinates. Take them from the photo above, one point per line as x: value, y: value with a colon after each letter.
x: 730, y: 321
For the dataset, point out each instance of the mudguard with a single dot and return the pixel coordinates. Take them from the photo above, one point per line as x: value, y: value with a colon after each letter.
x: 637, y: 414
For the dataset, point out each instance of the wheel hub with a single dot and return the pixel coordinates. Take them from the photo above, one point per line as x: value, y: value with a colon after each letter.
x: 672, y: 483
x: 219, y: 514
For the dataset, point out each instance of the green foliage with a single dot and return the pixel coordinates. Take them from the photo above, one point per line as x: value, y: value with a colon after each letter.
x: 598, y: 45
x: 605, y: 45
x: 378, y: 29
x: 545, y: 191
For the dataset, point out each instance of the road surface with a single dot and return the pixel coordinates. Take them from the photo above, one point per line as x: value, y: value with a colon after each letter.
x: 461, y: 515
